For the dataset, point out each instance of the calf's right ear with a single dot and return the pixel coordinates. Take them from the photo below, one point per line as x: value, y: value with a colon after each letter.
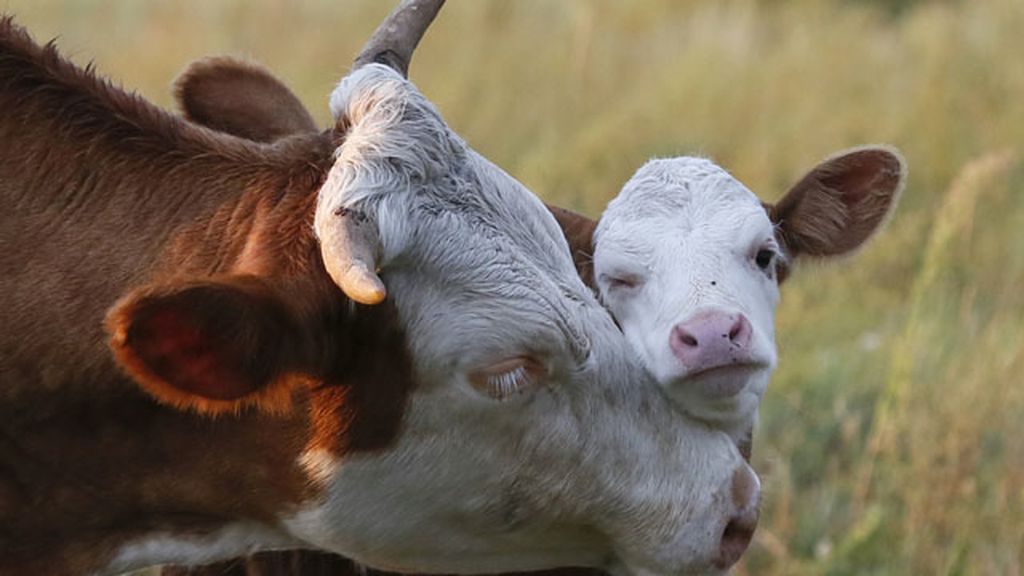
x: 240, y: 98
x: 213, y: 345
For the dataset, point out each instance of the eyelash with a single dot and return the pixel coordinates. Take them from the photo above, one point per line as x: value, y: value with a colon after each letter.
x: 505, y: 379
x: 504, y: 385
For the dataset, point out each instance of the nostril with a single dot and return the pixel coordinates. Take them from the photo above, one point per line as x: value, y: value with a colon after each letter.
x: 684, y: 338
x: 735, y: 540
x: 688, y: 339
x: 740, y: 331
x: 735, y: 330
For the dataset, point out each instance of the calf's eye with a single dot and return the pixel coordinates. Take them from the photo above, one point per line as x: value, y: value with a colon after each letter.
x: 764, y: 258
x: 622, y: 281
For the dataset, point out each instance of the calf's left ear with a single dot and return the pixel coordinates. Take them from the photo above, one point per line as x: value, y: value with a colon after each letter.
x: 840, y: 203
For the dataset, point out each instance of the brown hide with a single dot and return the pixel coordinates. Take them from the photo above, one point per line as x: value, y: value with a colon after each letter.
x: 104, y: 194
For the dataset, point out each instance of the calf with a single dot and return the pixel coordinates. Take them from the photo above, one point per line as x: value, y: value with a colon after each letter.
x: 689, y: 262
x: 486, y: 415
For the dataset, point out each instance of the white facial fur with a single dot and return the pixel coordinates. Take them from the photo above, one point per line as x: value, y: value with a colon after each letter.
x: 583, y: 461
x: 680, y: 242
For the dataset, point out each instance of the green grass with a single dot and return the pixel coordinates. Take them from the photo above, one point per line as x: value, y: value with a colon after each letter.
x: 892, y: 437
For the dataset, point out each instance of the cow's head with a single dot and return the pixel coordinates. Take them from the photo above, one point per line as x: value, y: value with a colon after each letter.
x: 690, y: 261
x: 529, y: 438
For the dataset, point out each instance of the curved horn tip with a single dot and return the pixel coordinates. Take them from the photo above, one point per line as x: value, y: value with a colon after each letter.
x: 361, y: 285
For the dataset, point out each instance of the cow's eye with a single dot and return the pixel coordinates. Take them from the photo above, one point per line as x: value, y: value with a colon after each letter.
x: 507, y: 378
x: 764, y: 258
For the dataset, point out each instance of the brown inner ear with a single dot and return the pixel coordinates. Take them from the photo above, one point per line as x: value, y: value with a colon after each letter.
x: 211, y: 346
x: 177, y: 348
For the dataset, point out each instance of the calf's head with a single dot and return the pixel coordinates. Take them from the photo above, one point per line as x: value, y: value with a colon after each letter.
x: 689, y: 261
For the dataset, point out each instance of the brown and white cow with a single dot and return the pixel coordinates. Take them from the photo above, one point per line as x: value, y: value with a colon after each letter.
x: 487, y: 416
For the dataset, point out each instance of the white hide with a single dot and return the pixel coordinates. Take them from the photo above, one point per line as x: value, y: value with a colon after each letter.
x: 680, y: 240
x: 585, y: 463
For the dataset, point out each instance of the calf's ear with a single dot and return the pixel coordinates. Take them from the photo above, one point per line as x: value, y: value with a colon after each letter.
x: 840, y: 203
x: 240, y: 98
x: 579, y: 233
x: 213, y: 345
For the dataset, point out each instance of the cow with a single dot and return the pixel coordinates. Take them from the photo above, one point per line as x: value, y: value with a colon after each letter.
x: 369, y: 341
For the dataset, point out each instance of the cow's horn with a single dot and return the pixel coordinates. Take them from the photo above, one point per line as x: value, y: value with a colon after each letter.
x: 349, y: 242
x: 350, y: 248
x: 397, y: 36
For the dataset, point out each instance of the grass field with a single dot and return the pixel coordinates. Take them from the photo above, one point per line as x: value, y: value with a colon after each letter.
x: 892, y: 437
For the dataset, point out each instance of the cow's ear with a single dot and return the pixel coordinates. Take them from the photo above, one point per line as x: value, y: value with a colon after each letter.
x: 839, y: 204
x: 213, y: 346
x: 240, y: 98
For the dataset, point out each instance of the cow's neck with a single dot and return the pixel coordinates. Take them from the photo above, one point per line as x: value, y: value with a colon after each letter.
x: 94, y: 478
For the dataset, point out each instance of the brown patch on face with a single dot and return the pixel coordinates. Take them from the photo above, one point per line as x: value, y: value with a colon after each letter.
x: 366, y: 387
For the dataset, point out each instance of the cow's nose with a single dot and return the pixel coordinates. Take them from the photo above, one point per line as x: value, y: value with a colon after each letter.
x: 746, y: 497
x: 711, y: 339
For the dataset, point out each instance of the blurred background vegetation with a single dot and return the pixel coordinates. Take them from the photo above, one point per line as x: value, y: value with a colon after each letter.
x: 892, y: 437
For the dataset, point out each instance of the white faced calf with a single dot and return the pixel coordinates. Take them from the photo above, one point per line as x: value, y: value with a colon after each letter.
x: 689, y: 261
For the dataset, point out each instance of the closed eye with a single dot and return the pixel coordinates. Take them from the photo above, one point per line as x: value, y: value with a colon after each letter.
x: 622, y: 281
x: 505, y: 379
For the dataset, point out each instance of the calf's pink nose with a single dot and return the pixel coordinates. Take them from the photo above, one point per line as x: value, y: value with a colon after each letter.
x: 711, y: 340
